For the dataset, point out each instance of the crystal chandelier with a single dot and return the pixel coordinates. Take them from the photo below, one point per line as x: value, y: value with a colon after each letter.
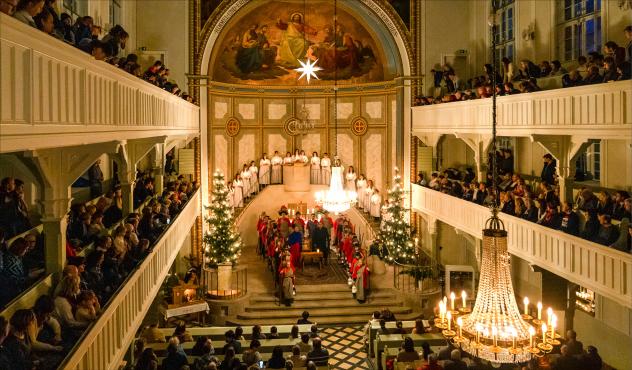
x: 336, y: 199
x: 494, y: 330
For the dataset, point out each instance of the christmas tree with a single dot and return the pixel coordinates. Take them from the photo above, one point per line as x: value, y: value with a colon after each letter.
x: 222, y: 242
x: 394, y: 240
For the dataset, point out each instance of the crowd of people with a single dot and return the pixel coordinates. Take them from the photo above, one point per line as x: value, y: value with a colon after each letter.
x: 282, y: 241
x: 42, y: 335
x: 612, y: 65
x: 86, y: 36
x: 589, y: 216
x: 307, y: 351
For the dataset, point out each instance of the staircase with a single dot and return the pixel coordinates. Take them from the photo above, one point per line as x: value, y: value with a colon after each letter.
x: 327, y: 304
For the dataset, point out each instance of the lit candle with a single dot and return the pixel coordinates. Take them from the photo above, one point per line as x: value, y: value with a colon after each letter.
x: 514, y: 334
x: 531, y: 334
x: 526, y: 305
x: 463, y: 297
x: 539, y: 310
x: 459, y: 322
x: 452, y: 298
x: 449, y: 320
x: 549, y: 314
x: 543, y: 333
x: 479, y: 329
x: 494, y: 333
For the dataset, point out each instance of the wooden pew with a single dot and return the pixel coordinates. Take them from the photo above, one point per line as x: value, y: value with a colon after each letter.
x: 264, y: 357
x: 375, y: 327
x: 217, y: 332
x: 266, y: 345
x: 395, y: 341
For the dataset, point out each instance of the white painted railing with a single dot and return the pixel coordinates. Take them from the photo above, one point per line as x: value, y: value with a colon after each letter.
x: 106, y: 341
x: 605, y: 270
x: 49, y: 88
x: 600, y: 111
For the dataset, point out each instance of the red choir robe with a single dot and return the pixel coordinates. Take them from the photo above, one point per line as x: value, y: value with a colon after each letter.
x: 298, y: 221
x: 365, y: 275
x: 347, y: 248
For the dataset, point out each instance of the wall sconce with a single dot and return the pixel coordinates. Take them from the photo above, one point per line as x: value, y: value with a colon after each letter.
x: 528, y: 34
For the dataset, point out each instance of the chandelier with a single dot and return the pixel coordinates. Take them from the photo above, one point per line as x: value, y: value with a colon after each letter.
x: 494, y: 329
x: 336, y: 199
x: 302, y: 124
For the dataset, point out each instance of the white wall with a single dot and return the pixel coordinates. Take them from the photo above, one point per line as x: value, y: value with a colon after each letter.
x: 163, y: 25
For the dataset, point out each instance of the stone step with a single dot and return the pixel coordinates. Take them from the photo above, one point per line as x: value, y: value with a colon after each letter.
x: 323, y: 295
x: 321, y: 320
x: 290, y: 312
x: 330, y: 303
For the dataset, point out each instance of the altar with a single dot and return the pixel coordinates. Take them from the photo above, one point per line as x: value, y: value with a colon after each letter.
x: 296, y: 177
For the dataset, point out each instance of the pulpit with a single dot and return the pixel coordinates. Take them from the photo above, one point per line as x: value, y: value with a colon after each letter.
x: 296, y: 177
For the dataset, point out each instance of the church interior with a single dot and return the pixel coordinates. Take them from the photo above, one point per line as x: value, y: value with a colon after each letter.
x: 315, y: 184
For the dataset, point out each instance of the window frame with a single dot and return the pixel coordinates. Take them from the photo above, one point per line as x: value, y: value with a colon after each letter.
x: 574, y: 21
x: 505, y: 34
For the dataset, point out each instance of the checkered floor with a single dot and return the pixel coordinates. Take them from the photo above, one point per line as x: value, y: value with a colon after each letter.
x: 346, y: 347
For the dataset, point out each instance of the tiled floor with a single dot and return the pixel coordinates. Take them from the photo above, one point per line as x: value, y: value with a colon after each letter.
x: 346, y: 347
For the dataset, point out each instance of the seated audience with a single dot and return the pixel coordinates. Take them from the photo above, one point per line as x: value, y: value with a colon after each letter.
x: 407, y: 353
x: 252, y: 356
x: 318, y: 354
x: 16, y: 348
x: 175, y: 359
x: 297, y: 359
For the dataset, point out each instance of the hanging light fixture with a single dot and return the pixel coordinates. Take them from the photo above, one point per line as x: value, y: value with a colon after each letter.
x: 494, y: 329
x: 336, y: 199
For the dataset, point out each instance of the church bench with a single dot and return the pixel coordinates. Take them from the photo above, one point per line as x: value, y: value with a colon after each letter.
x: 264, y: 357
x: 217, y: 332
x: 266, y: 345
x: 375, y: 327
x: 394, y: 351
x: 395, y: 341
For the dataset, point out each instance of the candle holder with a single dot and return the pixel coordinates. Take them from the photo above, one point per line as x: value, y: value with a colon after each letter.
x: 545, y: 347
x: 557, y: 336
x: 526, y: 317
x: 537, y: 323
x: 515, y: 351
x: 455, y: 313
x: 460, y: 339
x: 441, y: 325
x: 448, y: 333
x: 495, y: 349
x: 534, y: 350
x: 553, y: 342
x: 465, y: 310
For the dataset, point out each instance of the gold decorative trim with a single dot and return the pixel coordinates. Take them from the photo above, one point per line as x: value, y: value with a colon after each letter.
x: 232, y: 126
x: 290, y: 126
x: 359, y: 126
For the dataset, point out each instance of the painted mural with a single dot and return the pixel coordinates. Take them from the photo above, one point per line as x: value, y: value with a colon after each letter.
x: 264, y: 46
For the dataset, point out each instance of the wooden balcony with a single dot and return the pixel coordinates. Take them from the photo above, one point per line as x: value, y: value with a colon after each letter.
x: 106, y: 341
x: 53, y: 95
x: 595, y: 111
x: 604, y: 270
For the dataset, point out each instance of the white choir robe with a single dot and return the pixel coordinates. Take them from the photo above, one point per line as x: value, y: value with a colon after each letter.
x: 301, y: 159
x: 254, y: 179
x: 231, y: 197
x: 376, y: 205
x: 264, y: 171
x: 288, y: 160
x: 238, y: 198
x: 361, y: 187
x: 350, y: 181
x: 245, y: 178
x: 368, y: 192
x: 325, y: 171
x: 314, y: 177
x: 277, y: 170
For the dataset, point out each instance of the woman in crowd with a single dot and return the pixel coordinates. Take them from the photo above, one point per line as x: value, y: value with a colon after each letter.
x: 314, y: 169
x: 238, y: 195
x: 376, y: 203
x: 350, y: 179
x: 288, y: 159
x: 65, y: 303
x: 277, y: 169
x: 366, y: 199
x: 17, y: 347
x: 256, y: 333
x: 147, y: 361
x: 286, y: 285
x: 254, y: 177
x: 87, y: 303
x: 245, y: 178
x: 43, y: 309
x: 361, y: 185
x: 325, y: 169
x: 27, y: 9
x: 264, y: 171
x: 276, y: 361
x: 407, y: 353
x: 230, y: 362
x: 182, y: 333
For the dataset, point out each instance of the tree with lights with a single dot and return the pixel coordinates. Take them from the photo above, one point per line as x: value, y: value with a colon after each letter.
x: 394, y: 240
x: 222, y: 241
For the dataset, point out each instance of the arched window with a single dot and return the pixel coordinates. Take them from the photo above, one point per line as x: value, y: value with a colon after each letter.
x: 578, y: 28
x: 504, y: 34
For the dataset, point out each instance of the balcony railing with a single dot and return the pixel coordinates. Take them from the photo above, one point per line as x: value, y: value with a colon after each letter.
x: 585, y: 109
x: 104, y: 344
x: 604, y: 270
x: 50, y: 88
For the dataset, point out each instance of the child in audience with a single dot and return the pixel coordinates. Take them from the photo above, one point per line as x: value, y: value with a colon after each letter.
x: 86, y: 311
